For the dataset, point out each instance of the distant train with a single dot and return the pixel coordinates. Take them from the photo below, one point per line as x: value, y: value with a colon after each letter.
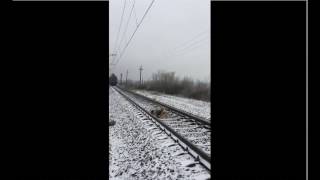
x: 113, y: 80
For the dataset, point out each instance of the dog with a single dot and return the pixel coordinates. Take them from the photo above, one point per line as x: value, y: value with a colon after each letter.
x: 160, y: 113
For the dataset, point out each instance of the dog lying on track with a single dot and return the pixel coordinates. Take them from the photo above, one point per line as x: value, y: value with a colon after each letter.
x: 160, y: 113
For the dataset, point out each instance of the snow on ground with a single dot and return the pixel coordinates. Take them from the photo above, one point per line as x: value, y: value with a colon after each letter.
x: 196, y: 107
x: 139, y: 150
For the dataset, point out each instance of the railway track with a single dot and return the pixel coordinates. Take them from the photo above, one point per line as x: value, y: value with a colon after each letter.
x: 192, y: 133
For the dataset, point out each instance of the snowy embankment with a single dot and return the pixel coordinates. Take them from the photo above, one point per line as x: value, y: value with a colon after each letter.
x: 196, y: 107
x: 139, y: 150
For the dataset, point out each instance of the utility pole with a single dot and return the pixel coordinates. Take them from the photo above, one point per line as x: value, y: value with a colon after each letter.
x: 127, y: 77
x: 120, y: 78
x: 140, y: 74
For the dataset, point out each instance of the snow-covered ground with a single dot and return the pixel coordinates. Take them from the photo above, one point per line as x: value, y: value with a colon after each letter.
x: 139, y: 150
x: 196, y: 107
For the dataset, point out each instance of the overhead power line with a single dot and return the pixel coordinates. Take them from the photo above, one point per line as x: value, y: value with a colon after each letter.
x: 189, y: 49
x: 123, y: 9
x: 123, y: 51
x: 126, y: 27
x: 192, y: 39
x: 135, y: 14
x: 188, y: 46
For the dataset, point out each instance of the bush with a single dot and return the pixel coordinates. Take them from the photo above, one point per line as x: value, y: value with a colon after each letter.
x: 168, y: 83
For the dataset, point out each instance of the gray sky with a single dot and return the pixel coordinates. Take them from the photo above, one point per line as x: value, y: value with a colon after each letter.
x: 174, y: 36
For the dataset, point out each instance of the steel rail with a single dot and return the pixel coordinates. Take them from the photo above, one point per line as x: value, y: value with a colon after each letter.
x: 197, y: 118
x: 200, y: 154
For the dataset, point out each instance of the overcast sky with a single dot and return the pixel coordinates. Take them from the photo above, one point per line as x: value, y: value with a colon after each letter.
x: 174, y: 36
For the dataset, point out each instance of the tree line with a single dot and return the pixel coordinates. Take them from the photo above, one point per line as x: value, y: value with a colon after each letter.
x: 169, y: 83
